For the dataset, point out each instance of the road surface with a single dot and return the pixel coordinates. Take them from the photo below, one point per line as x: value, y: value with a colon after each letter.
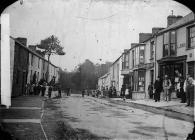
x: 112, y: 121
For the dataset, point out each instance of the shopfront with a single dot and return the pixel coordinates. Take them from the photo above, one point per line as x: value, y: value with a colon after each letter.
x: 139, y: 80
x: 168, y: 66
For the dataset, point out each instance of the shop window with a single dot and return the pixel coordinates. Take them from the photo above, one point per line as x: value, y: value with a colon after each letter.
x: 191, y: 37
x: 141, y: 81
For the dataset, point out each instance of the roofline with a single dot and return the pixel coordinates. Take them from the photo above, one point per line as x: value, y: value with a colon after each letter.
x: 174, y: 28
x: 178, y: 26
x: 31, y: 51
x: 117, y: 59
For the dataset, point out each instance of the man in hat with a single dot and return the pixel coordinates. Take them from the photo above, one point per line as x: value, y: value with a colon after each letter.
x: 166, y: 87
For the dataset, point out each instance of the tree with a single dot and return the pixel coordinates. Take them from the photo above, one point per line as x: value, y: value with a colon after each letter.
x: 50, y: 46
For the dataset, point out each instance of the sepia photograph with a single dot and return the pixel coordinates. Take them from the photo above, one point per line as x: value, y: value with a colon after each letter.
x: 97, y: 70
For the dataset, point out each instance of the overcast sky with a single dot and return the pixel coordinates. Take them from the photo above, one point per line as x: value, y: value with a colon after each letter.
x: 93, y: 29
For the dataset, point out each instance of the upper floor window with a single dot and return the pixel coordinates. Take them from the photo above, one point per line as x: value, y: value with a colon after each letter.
x: 172, y: 43
x: 136, y: 56
x: 151, y: 49
x: 191, y: 37
x: 169, y: 44
x: 141, y: 54
x: 166, y: 44
x: 133, y: 58
x: 125, y: 61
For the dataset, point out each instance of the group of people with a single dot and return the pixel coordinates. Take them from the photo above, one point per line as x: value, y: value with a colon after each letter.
x: 183, y: 87
x: 126, y: 92
x: 41, y: 88
x: 111, y: 92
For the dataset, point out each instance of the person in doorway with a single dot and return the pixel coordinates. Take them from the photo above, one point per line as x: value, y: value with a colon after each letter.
x: 157, y: 89
x: 150, y: 90
x: 166, y: 88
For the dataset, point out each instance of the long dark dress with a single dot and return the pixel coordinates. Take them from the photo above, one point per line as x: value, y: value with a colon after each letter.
x: 158, y: 89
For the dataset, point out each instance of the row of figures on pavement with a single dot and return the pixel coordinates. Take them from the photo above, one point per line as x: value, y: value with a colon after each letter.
x: 165, y: 87
x: 43, y: 88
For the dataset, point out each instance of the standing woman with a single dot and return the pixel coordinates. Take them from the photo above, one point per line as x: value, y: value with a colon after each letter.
x: 157, y: 89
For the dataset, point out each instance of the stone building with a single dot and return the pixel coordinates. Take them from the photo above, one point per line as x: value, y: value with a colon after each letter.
x: 115, y: 75
x: 164, y: 51
x: 175, y: 47
x: 20, y: 66
x: 27, y: 66
x: 104, y: 81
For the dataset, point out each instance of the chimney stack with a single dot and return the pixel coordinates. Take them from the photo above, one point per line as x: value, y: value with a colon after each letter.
x: 22, y: 40
x: 172, y: 19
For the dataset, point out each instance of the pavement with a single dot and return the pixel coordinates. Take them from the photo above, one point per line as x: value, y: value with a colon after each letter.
x: 171, y: 108
x: 23, y: 119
